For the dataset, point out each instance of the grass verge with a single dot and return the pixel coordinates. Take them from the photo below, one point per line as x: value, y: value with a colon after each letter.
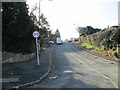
x: 108, y: 53
x: 87, y: 46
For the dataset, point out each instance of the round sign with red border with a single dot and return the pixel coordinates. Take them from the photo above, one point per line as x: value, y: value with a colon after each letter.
x: 36, y: 34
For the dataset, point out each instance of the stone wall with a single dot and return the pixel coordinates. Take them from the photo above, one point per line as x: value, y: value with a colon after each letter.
x: 8, y: 57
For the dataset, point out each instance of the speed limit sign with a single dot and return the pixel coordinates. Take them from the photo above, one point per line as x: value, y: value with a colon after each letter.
x: 36, y: 34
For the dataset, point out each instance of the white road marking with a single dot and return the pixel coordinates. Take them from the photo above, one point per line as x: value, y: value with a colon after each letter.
x: 116, y: 86
x: 53, y: 77
x: 80, y: 61
x: 71, y: 54
x: 68, y: 71
x: 6, y: 80
x: 66, y: 78
x: 77, y: 58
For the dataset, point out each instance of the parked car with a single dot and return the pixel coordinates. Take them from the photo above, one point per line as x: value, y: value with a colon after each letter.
x: 69, y: 40
x: 51, y: 42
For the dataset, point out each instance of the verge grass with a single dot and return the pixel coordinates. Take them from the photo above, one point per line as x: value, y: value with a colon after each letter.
x: 87, y: 46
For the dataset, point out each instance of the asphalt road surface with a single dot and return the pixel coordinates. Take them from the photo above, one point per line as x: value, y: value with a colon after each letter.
x: 74, y: 68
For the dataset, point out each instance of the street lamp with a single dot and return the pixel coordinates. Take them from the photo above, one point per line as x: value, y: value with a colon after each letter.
x: 39, y: 12
x: 39, y: 19
x: 39, y: 9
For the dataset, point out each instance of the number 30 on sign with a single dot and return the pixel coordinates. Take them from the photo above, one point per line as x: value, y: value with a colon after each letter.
x: 36, y: 34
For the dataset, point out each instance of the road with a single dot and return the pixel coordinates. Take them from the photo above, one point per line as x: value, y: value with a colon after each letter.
x: 74, y: 68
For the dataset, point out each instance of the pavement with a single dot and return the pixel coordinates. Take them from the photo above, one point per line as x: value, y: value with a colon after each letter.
x: 22, y: 74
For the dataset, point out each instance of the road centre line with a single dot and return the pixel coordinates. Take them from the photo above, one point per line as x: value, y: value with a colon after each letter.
x: 88, y: 65
x: 98, y: 57
x: 83, y: 62
x: 116, y: 86
x: 80, y: 61
x: 77, y: 58
x: 80, y: 57
x: 71, y: 54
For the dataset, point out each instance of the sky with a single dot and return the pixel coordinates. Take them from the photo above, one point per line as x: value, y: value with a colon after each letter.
x: 66, y: 15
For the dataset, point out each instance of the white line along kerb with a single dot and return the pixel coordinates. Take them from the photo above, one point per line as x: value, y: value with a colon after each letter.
x: 36, y: 34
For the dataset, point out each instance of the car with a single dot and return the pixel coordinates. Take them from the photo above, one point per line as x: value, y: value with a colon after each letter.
x: 51, y: 42
x: 59, y: 41
x: 69, y: 40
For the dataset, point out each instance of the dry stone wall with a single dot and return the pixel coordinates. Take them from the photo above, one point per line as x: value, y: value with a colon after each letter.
x: 8, y: 57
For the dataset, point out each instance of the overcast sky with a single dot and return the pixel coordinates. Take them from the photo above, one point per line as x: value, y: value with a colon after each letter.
x: 66, y: 15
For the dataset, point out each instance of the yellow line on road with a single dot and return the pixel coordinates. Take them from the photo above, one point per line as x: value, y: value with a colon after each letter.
x: 100, y: 58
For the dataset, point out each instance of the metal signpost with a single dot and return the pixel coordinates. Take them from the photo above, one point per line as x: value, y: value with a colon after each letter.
x: 36, y: 34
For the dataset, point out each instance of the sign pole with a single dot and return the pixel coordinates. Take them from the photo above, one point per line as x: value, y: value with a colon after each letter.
x: 38, y: 59
x: 36, y: 34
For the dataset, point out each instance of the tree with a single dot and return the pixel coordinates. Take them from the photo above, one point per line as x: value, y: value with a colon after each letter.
x: 116, y: 36
x: 97, y: 29
x: 43, y: 21
x: 83, y: 31
x: 41, y: 24
x: 90, y: 30
x: 17, y: 27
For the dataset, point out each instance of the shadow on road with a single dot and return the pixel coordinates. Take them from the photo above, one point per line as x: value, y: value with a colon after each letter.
x: 62, y: 67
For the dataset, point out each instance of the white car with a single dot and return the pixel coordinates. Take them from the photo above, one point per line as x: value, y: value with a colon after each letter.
x: 51, y: 42
x: 58, y: 41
